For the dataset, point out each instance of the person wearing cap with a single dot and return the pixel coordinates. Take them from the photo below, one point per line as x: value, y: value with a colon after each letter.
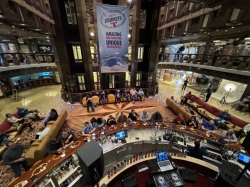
x: 88, y: 129
x: 68, y: 138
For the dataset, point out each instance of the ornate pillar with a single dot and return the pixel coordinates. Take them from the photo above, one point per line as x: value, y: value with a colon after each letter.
x: 85, y: 43
x: 135, y: 39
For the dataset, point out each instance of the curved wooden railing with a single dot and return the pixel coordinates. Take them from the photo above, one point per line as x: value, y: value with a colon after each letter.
x: 239, y: 62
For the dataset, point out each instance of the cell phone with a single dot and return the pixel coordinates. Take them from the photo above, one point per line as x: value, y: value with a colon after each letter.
x: 33, y: 178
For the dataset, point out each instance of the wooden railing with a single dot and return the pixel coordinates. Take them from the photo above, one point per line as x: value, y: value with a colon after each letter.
x: 224, y: 61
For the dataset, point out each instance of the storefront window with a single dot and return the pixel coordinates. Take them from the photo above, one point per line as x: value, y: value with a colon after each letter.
x: 70, y: 12
x: 111, y: 81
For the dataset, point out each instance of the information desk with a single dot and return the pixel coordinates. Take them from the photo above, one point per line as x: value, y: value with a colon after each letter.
x: 144, y: 131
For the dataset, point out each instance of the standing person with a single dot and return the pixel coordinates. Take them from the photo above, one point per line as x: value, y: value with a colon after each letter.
x: 209, y: 92
x: 140, y: 94
x: 15, y: 156
x: 103, y: 98
x: 52, y: 116
x: 185, y: 84
x: 89, y: 102
x: 118, y: 97
x: 133, y: 94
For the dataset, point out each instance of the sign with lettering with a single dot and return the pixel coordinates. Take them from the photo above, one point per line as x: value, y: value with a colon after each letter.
x: 113, y: 30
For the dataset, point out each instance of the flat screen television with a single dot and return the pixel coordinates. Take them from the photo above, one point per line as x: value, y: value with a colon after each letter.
x: 243, y: 158
x: 121, y: 135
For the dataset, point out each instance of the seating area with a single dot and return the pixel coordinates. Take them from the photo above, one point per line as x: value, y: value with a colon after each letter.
x: 37, y: 150
x: 110, y: 99
x: 205, y: 110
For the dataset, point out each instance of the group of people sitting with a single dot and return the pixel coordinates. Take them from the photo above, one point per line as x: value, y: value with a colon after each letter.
x: 129, y: 95
x: 25, y: 115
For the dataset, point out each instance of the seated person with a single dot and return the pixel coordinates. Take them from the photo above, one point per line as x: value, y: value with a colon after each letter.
x: 54, y: 146
x: 126, y: 95
x: 222, y: 118
x: 3, y: 138
x: 97, y: 123
x: 133, y: 115
x: 88, y: 129
x: 118, y: 97
x: 68, y: 138
x: 140, y: 94
x: 145, y: 116
x: 228, y: 136
x: 208, y: 126
x: 52, y: 116
x: 111, y: 121
x: 122, y: 118
x: 173, y: 99
x: 187, y: 97
x: 156, y: 117
x: 244, y: 102
x: 103, y: 98
x: 13, y: 120
x: 31, y: 114
x: 197, y: 151
x: 133, y: 94
x: 192, y: 122
x: 179, y: 120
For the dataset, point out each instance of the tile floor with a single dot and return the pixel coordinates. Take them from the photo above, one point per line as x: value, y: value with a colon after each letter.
x: 47, y: 97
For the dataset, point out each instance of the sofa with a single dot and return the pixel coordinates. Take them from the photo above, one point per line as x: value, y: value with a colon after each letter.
x: 177, y: 108
x: 9, y: 129
x: 37, y: 150
x: 199, y: 103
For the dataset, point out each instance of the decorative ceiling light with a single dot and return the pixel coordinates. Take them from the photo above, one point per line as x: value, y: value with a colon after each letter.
x: 129, y: 35
x: 92, y: 34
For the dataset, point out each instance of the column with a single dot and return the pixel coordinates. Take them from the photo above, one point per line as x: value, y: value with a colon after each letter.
x: 135, y: 39
x: 155, y: 44
x: 59, y: 43
x: 85, y: 44
x: 207, y: 47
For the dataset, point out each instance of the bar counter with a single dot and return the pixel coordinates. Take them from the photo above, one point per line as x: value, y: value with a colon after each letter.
x: 52, y: 160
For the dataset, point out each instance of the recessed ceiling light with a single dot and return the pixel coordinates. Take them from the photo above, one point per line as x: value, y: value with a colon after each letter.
x: 13, y: 26
x: 239, y: 31
x: 226, y: 30
x: 1, y: 23
x: 8, y: 32
x: 47, y: 37
x: 232, y: 27
x: 217, y: 30
x: 207, y: 33
x: 204, y: 32
x: 92, y: 34
x: 22, y: 29
x: 129, y: 35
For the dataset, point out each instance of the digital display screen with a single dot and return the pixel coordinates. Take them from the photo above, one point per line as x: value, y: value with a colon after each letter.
x: 44, y: 74
x: 243, y: 158
x: 161, y: 156
x: 121, y: 134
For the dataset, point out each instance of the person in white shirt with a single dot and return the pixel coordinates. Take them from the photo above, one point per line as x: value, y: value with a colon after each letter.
x: 13, y: 120
x: 145, y: 116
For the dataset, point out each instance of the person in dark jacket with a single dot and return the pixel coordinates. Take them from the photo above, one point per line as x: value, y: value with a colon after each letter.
x: 118, y: 97
x: 89, y: 102
x: 222, y: 118
x: 111, y: 121
x: 68, y: 138
x: 133, y: 115
x: 185, y: 84
x: 209, y: 92
x: 3, y: 138
x: 156, y: 117
x: 192, y: 122
x: 52, y: 116
x: 15, y: 157
x: 54, y: 146
x: 126, y: 95
x: 197, y: 151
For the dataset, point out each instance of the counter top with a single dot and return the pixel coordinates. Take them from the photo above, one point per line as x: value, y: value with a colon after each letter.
x: 145, y: 133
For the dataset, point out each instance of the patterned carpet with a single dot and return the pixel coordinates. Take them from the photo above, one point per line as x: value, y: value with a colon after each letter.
x: 78, y: 115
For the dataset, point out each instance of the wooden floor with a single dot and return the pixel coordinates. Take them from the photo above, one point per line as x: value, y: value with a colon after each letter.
x: 80, y: 115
